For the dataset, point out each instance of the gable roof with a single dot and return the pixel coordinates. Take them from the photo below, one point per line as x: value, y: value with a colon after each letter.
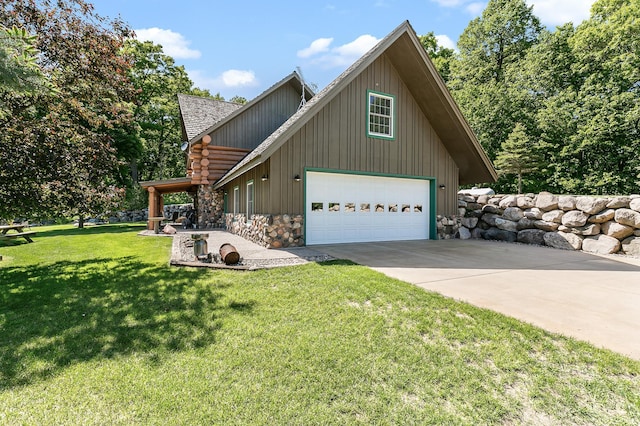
x: 199, y: 113
x: 292, y: 79
x: 415, y: 68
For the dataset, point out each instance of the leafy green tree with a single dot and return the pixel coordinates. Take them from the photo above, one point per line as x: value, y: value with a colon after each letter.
x: 518, y: 155
x: 59, y: 155
x: 440, y: 56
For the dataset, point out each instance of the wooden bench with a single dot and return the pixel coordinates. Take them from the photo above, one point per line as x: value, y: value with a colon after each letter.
x: 26, y: 235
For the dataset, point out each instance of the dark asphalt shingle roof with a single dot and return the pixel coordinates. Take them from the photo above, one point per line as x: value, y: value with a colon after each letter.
x: 199, y: 114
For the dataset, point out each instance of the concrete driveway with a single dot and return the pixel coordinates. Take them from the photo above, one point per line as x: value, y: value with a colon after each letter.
x: 592, y: 298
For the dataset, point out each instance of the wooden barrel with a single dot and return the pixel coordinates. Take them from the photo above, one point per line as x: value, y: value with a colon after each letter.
x: 229, y: 254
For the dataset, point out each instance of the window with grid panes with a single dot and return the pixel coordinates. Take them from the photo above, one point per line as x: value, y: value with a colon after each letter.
x: 380, y: 115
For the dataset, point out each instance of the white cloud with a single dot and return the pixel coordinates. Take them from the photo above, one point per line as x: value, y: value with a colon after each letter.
x: 173, y: 44
x: 338, y: 56
x: 475, y: 8
x: 317, y: 46
x: 444, y: 41
x: 228, y: 79
x: 450, y: 3
x: 553, y: 12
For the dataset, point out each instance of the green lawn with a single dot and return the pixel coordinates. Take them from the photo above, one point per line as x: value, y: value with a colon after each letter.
x: 96, y: 328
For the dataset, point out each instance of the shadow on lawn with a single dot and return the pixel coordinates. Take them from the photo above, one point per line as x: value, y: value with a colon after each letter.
x: 56, y: 315
x: 93, y: 230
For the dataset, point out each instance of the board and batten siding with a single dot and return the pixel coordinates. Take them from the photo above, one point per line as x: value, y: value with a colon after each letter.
x: 254, y: 125
x: 336, y: 138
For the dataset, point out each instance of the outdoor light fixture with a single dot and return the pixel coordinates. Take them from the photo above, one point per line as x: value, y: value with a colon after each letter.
x: 442, y: 186
x: 296, y: 178
x: 184, y: 146
x: 265, y: 178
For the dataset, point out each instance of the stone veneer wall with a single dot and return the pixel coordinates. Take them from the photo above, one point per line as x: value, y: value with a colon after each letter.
x: 210, y: 207
x: 593, y: 224
x: 271, y: 231
x: 140, y: 215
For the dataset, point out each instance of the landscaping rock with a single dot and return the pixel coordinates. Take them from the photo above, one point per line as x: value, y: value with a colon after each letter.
x: 592, y: 229
x: 616, y: 230
x: 546, y: 226
x: 525, y: 202
x: 566, y: 202
x: 513, y: 213
x: 533, y: 213
x: 168, y: 229
x: 635, y: 204
x: 506, y: 225
x: 526, y: 223
x: 531, y: 236
x: 591, y: 205
x: 618, y: 203
x: 469, y: 222
x: 628, y: 217
x: 563, y: 240
x: 601, y: 244
x: 603, y: 216
x: 490, y: 218
x: 574, y: 218
x: 483, y: 199
x: 553, y: 216
x: 546, y: 201
x: 464, y: 233
x: 631, y: 246
x: 500, y: 235
x: 490, y: 208
x: 509, y: 201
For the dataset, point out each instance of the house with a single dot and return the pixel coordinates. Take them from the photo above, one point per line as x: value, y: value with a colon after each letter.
x: 374, y: 156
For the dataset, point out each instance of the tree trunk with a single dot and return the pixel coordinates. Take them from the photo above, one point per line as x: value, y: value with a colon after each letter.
x: 81, y: 222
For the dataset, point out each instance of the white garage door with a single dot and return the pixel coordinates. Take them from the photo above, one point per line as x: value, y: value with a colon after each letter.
x: 344, y: 208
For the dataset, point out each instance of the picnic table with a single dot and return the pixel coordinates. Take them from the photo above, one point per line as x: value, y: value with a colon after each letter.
x: 19, y: 232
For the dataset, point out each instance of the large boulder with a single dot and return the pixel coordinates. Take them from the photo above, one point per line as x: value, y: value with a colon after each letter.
x: 513, y: 213
x: 603, y: 216
x: 526, y: 223
x: 587, y: 230
x: 531, y: 236
x: 506, y: 225
x: 567, y: 202
x: 628, y: 217
x: 553, y: 216
x: 546, y: 201
x: 563, y: 240
x: 591, y: 205
x: 500, y: 235
x: 601, y: 244
x: 631, y: 246
x: 574, y: 218
x: 635, y: 204
x: 490, y: 208
x: 616, y: 230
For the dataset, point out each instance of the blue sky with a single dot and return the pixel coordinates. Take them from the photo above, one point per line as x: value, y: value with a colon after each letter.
x: 241, y: 47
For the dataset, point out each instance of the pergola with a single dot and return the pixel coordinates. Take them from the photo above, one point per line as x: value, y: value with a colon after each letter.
x: 157, y: 188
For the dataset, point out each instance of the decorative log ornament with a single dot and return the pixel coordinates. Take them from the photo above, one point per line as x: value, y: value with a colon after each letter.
x: 206, y: 139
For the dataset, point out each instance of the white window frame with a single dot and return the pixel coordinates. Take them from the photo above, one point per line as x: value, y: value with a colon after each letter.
x: 236, y: 200
x: 374, y: 113
x: 251, y: 198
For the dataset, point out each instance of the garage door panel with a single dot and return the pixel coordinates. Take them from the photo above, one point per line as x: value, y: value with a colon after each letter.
x: 355, y: 218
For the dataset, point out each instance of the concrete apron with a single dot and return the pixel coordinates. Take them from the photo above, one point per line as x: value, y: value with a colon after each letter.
x: 589, y: 297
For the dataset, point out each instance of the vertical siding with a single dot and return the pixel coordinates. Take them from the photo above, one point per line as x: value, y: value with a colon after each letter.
x: 253, y: 126
x: 336, y: 138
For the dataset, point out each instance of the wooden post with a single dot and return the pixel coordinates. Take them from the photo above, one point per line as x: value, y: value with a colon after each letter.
x: 152, y: 206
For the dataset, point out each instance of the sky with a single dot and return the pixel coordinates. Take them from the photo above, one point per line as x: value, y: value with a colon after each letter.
x: 242, y: 47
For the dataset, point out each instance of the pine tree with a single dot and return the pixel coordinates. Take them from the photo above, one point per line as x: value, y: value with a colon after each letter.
x: 518, y: 155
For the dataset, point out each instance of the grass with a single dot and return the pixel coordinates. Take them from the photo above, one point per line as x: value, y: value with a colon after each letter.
x: 96, y: 328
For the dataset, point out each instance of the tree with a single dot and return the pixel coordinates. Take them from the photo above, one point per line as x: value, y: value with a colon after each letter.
x: 59, y: 155
x: 518, y: 155
x: 440, y: 56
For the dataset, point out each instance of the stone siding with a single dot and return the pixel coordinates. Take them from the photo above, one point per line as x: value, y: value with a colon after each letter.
x: 143, y: 214
x: 210, y: 207
x: 271, y: 231
x: 598, y: 225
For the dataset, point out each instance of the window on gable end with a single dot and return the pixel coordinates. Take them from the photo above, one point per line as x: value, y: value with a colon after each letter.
x: 380, y: 115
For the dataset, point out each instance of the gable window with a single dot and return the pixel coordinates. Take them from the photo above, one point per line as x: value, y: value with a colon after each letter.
x: 249, y: 199
x: 380, y: 116
x: 236, y: 200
